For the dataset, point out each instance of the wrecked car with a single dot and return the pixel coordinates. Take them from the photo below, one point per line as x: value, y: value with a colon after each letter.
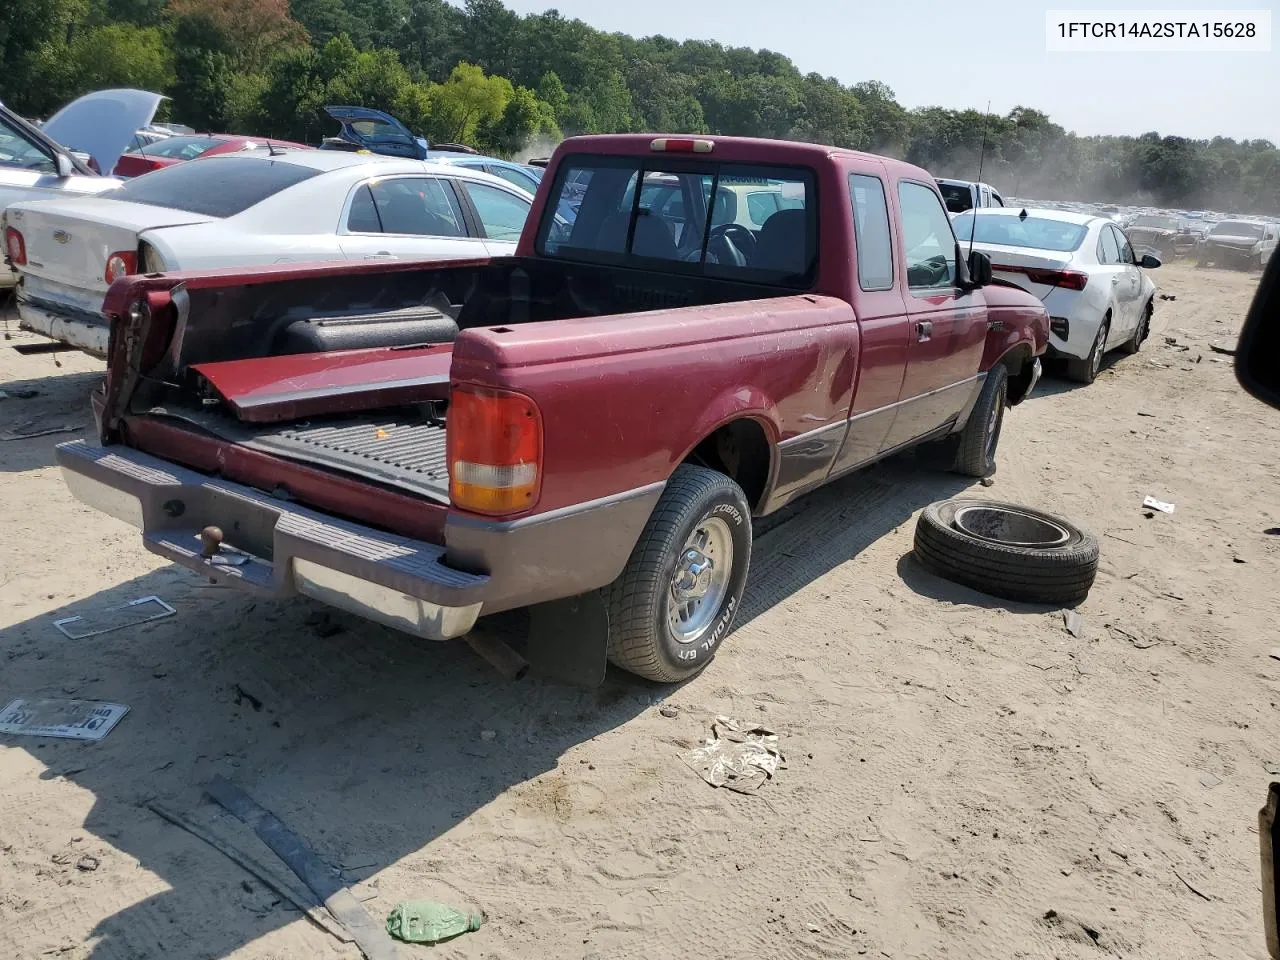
x: 1246, y: 244
x: 592, y: 436
x: 1163, y: 235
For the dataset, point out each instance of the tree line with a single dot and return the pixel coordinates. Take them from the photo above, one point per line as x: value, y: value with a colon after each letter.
x: 512, y: 84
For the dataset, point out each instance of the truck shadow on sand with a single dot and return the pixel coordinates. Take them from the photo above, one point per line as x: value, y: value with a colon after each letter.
x: 835, y: 524
x: 367, y: 743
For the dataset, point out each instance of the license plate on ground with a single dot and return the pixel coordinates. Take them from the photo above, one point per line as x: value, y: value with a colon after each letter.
x: 72, y: 719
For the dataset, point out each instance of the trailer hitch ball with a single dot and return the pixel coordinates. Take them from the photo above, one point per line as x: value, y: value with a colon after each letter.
x: 211, y: 538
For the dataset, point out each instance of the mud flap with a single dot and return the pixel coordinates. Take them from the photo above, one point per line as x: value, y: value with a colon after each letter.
x: 1269, y: 837
x: 569, y: 639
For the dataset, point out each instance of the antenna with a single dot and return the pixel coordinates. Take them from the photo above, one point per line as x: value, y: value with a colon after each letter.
x: 271, y: 150
x: 982, y: 156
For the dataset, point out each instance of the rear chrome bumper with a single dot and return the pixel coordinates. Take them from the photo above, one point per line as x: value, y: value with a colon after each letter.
x: 279, y: 549
x: 80, y: 329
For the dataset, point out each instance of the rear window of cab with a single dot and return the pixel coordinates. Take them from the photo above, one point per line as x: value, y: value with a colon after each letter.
x: 214, y: 186
x: 756, y: 224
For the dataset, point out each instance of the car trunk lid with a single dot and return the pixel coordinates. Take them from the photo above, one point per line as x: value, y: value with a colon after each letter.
x: 69, y: 242
x: 1039, y: 272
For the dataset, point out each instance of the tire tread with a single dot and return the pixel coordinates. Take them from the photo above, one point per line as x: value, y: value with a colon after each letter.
x: 632, y: 645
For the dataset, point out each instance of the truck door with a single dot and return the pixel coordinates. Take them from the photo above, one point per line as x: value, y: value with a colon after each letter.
x: 883, y: 325
x: 948, y: 326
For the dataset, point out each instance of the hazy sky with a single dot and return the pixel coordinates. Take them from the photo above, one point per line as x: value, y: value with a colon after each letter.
x: 954, y: 53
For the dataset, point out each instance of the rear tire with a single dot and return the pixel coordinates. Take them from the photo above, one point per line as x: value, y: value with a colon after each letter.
x: 681, y: 589
x: 976, y: 455
x: 1060, y: 574
x: 1086, y: 370
x: 1134, y: 343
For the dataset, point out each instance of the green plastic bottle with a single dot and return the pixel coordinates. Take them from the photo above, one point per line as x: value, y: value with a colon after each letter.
x: 424, y: 921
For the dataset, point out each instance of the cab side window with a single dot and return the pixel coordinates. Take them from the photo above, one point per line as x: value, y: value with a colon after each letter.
x: 871, y: 232
x: 927, y: 238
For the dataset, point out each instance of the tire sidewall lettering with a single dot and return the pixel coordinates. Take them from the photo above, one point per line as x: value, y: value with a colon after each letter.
x: 703, y: 648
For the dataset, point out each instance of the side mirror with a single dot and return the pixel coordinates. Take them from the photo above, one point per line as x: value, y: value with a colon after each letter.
x: 62, y: 163
x: 979, y: 269
x: 1149, y: 262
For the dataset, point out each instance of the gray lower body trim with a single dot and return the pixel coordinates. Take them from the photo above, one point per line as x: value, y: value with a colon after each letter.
x: 557, y: 554
x: 281, y: 548
x: 812, y: 458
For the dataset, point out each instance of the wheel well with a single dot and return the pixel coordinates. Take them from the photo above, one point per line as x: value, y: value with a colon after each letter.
x: 739, y: 450
x: 1018, y: 362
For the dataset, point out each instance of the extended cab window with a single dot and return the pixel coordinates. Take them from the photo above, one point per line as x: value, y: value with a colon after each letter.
x: 697, y: 217
x: 927, y: 240
x: 871, y: 232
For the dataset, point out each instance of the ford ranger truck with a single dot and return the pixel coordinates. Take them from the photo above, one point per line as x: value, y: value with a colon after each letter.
x: 585, y: 428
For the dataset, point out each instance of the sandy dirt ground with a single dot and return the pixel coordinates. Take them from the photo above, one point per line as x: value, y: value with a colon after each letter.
x: 964, y: 777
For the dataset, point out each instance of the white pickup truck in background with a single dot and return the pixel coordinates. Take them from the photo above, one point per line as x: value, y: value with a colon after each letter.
x: 962, y: 195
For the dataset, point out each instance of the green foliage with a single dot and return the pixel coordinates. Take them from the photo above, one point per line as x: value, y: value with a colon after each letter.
x: 465, y: 102
x: 483, y: 74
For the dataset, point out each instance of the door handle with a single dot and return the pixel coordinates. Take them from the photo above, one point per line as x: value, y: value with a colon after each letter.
x: 924, y: 331
x: 1114, y: 281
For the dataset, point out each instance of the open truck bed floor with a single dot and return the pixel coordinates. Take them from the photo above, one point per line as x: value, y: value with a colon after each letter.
x: 404, y: 449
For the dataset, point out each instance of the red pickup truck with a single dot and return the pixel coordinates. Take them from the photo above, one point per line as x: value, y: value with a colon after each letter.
x: 693, y: 332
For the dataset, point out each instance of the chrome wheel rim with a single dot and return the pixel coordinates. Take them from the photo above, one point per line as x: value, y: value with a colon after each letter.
x: 1096, y: 359
x: 700, y: 581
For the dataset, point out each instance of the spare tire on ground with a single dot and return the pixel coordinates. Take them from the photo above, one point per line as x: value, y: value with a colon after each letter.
x: 1007, y: 550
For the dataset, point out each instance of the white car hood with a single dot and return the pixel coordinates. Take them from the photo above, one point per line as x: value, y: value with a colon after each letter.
x: 102, y: 124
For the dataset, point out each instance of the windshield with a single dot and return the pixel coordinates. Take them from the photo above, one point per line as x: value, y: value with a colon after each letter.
x: 957, y: 196
x: 177, y: 148
x: 735, y: 221
x: 1036, y: 233
x: 1159, y: 223
x: 216, y: 186
x: 1237, y: 228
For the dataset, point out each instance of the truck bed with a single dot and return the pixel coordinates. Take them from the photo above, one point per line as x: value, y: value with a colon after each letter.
x: 402, y: 448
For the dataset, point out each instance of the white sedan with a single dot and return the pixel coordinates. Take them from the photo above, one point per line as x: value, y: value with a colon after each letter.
x: 1084, y: 270
x: 260, y: 207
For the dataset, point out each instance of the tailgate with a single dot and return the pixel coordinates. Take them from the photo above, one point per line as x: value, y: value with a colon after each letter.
x: 68, y: 242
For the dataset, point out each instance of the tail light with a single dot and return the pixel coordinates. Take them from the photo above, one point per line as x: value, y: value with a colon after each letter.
x: 120, y: 264
x: 494, y: 447
x: 15, y: 246
x: 1066, y: 279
